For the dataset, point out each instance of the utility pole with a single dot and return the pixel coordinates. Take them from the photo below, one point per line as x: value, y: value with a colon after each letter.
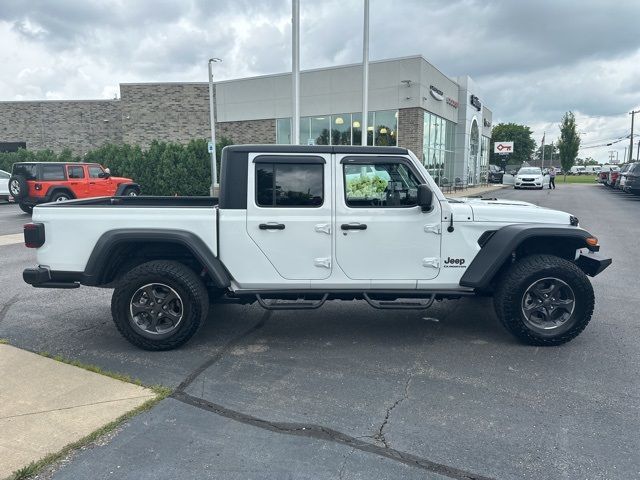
x: 611, y: 152
x: 365, y: 75
x: 625, y: 153
x: 633, y: 114
x: 542, y: 162
x: 638, y: 152
x: 212, y: 119
x: 295, y: 71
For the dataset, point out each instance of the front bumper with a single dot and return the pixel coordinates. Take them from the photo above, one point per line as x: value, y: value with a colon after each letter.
x: 42, y: 277
x: 592, y: 264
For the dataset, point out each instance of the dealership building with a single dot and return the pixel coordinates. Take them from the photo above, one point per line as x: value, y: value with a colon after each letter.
x: 443, y: 120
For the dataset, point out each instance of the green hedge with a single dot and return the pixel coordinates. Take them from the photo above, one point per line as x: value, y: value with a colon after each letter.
x: 163, y: 169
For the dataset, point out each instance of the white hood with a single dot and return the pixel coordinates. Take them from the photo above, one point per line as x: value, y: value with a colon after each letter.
x: 513, y: 211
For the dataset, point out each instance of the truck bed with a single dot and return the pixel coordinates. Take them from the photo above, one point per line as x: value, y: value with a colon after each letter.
x: 73, y: 228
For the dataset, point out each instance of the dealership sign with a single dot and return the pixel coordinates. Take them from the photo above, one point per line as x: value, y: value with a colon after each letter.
x: 436, y: 93
x: 452, y: 102
x: 475, y: 101
x: 503, y: 147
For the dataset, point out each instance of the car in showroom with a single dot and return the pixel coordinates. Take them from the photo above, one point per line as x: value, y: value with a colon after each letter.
x: 32, y: 183
x: 529, y: 177
x: 4, y: 185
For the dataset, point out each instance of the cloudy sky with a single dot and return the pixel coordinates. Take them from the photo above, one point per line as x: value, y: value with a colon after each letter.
x: 533, y: 60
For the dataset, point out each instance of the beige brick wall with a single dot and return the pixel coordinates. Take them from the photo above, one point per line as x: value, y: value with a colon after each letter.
x: 176, y: 112
x: 249, y: 131
x: 411, y: 129
x: 78, y: 125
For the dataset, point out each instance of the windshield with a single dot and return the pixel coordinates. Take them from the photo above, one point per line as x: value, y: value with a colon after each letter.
x: 529, y: 171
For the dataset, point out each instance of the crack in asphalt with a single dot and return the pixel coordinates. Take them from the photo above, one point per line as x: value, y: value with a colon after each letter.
x: 380, y: 435
x: 223, y: 351
x: 344, y: 464
x: 318, y: 432
x: 5, y: 308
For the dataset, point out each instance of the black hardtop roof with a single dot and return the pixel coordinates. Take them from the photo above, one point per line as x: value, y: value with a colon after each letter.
x: 347, y: 149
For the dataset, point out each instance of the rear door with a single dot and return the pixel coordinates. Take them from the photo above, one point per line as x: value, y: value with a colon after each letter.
x: 289, y: 213
x: 77, y: 181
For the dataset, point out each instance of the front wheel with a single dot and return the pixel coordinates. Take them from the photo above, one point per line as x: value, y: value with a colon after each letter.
x: 544, y: 300
x: 159, y: 305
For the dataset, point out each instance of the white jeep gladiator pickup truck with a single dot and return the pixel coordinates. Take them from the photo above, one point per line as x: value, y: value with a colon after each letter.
x: 296, y: 226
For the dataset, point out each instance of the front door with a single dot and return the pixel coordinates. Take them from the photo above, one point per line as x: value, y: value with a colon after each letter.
x: 381, y: 233
x: 99, y: 184
x: 289, y: 213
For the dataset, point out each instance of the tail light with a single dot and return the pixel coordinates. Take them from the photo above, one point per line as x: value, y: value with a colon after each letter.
x: 34, y: 235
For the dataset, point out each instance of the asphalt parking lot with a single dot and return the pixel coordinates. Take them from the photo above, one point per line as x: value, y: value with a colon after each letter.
x: 347, y: 391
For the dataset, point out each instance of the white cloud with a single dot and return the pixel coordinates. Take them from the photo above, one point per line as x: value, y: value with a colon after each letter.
x: 532, y: 60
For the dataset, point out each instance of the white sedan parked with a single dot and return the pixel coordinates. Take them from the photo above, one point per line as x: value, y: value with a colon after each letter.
x: 530, y: 177
x: 4, y: 185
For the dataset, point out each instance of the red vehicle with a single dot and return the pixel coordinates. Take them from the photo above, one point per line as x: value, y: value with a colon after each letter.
x: 32, y: 183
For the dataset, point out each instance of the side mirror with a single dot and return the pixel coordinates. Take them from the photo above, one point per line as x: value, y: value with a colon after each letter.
x: 425, y: 197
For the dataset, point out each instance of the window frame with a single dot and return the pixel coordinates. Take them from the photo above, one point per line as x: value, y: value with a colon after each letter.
x: 287, y: 160
x: 44, y: 166
x: 95, y: 166
x: 363, y: 160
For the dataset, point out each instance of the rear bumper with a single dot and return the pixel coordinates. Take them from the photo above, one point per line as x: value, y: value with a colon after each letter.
x: 592, y: 264
x: 42, y: 277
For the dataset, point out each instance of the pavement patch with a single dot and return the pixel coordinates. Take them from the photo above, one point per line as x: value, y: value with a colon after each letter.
x: 11, y: 239
x: 46, y: 405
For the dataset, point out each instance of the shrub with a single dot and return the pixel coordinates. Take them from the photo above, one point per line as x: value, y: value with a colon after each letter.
x: 165, y: 168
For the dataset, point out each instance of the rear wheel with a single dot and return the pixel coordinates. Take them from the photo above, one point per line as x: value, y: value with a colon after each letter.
x: 26, y: 208
x: 61, y: 197
x: 544, y: 300
x: 159, y: 305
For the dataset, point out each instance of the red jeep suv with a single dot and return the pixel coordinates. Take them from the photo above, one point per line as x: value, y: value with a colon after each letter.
x: 32, y: 183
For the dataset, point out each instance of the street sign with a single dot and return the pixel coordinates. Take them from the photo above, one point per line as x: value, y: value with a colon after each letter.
x: 503, y: 147
x: 210, y: 147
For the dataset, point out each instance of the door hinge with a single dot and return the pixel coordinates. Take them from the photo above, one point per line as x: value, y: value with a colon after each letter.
x: 324, y: 262
x: 433, y: 262
x: 323, y: 228
x: 433, y: 228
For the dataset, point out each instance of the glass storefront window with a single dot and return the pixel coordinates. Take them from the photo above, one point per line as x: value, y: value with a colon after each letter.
x: 342, y: 129
x: 283, y: 131
x: 437, y: 147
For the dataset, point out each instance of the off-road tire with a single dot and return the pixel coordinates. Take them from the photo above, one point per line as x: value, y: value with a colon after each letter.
x: 183, y: 280
x: 511, y: 288
x: 18, y: 187
x: 26, y: 208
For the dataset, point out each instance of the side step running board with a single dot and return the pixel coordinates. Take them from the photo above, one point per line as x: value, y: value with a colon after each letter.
x: 400, y: 304
x: 297, y: 304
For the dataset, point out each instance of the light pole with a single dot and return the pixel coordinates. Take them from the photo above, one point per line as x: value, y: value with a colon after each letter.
x: 212, y: 119
x: 295, y: 72
x: 365, y: 76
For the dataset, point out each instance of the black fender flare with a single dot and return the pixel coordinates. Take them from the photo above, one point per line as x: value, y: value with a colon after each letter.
x: 123, y: 186
x: 499, y: 247
x: 100, y: 256
x: 58, y: 188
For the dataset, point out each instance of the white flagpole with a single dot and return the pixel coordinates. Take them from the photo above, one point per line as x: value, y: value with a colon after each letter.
x: 365, y: 74
x: 295, y: 71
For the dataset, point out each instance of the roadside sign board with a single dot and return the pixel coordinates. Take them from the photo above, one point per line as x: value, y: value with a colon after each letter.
x: 503, y: 147
x: 210, y: 147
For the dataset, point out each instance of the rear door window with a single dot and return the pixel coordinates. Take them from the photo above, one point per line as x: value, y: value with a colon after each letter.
x: 75, y: 171
x: 52, y: 173
x: 289, y: 184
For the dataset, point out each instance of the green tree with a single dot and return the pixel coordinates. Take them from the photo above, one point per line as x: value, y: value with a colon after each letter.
x: 520, y: 135
x: 569, y: 142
